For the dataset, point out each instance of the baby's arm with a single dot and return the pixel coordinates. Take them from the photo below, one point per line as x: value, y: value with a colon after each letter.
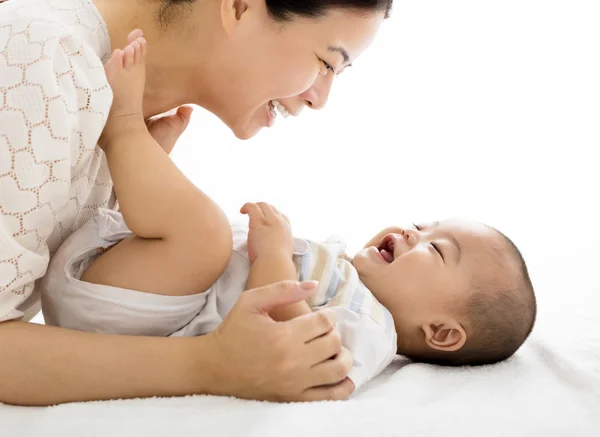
x: 270, y: 247
x: 183, y: 239
x: 271, y: 268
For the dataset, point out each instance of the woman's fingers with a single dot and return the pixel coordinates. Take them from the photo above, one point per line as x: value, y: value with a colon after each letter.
x: 337, y: 392
x: 322, y: 349
x: 334, y: 370
x: 313, y: 326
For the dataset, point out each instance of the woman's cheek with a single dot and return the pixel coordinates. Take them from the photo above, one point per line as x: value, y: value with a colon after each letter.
x: 300, y: 80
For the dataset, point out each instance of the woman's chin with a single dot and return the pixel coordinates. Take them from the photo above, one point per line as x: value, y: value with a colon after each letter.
x: 245, y: 131
x: 244, y: 134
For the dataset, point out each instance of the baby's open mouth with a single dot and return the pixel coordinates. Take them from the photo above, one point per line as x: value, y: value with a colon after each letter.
x: 386, y: 248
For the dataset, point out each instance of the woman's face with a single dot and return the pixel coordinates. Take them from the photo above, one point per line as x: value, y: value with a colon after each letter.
x: 292, y: 62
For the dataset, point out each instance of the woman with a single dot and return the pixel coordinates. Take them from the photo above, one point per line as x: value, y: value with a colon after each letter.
x: 243, y: 60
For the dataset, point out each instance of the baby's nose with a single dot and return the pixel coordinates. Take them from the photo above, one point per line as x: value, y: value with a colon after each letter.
x: 411, y: 236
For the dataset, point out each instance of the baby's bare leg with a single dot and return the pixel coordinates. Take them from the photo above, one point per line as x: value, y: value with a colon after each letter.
x: 183, y: 239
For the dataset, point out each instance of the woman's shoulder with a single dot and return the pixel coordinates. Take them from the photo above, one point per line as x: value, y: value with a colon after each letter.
x: 36, y: 28
x: 60, y: 47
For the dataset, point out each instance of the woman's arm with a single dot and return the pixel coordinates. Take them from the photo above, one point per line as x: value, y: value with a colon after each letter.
x: 248, y: 356
x: 44, y: 365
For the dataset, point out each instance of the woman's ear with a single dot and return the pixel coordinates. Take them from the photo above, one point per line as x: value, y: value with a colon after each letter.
x: 446, y: 336
x: 232, y: 14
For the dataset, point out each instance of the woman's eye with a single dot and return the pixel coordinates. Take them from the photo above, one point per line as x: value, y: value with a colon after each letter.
x: 328, y: 67
x: 416, y: 227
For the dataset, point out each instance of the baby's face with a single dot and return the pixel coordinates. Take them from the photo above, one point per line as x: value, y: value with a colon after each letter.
x: 421, y: 273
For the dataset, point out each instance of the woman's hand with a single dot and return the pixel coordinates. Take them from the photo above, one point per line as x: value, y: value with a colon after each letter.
x: 167, y: 129
x: 298, y: 360
x: 269, y: 231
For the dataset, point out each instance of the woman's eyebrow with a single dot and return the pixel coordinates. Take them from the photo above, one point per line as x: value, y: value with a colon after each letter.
x: 341, y: 51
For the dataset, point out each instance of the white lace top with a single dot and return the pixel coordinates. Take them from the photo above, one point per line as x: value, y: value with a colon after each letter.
x: 54, y: 102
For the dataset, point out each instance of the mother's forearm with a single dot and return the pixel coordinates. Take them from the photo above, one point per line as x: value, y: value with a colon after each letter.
x: 44, y: 365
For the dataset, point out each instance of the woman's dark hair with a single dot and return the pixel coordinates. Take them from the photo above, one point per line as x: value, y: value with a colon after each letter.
x: 283, y: 10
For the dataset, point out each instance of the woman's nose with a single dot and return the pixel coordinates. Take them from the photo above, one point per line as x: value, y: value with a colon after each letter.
x: 317, y: 95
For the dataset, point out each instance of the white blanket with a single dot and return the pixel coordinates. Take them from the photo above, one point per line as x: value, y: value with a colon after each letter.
x: 552, y: 388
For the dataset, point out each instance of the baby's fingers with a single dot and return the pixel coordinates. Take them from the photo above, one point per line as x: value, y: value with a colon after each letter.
x: 267, y: 210
x: 275, y: 210
x: 280, y: 214
x: 252, y: 209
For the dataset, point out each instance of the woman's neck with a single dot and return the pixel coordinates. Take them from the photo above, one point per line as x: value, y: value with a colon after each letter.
x: 172, y: 62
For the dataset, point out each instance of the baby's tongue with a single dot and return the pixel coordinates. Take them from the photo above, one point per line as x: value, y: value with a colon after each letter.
x: 386, y: 255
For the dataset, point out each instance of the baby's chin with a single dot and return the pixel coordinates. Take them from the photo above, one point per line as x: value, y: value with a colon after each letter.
x: 359, y: 261
x: 362, y: 257
x: 374, y: 286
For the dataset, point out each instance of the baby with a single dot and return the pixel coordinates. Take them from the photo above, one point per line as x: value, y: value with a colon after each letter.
x: 451, y: 292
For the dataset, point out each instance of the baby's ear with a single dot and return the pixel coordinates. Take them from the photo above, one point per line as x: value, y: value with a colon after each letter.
x: 448, y: 335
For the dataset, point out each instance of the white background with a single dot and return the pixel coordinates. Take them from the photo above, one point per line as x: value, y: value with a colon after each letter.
x: 482, y: 109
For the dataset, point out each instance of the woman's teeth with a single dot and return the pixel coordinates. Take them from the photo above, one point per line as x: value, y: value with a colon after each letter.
x: 271, y: 109
x: 274, y: 104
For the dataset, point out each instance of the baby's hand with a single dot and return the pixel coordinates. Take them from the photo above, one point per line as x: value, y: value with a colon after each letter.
x: 270, y: 230
x: 167, y: 129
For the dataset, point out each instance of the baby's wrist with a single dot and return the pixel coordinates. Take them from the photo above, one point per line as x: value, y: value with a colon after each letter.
x: 275, y: 254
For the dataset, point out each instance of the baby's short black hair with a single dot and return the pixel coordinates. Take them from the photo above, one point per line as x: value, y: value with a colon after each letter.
x: 500, y: 311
